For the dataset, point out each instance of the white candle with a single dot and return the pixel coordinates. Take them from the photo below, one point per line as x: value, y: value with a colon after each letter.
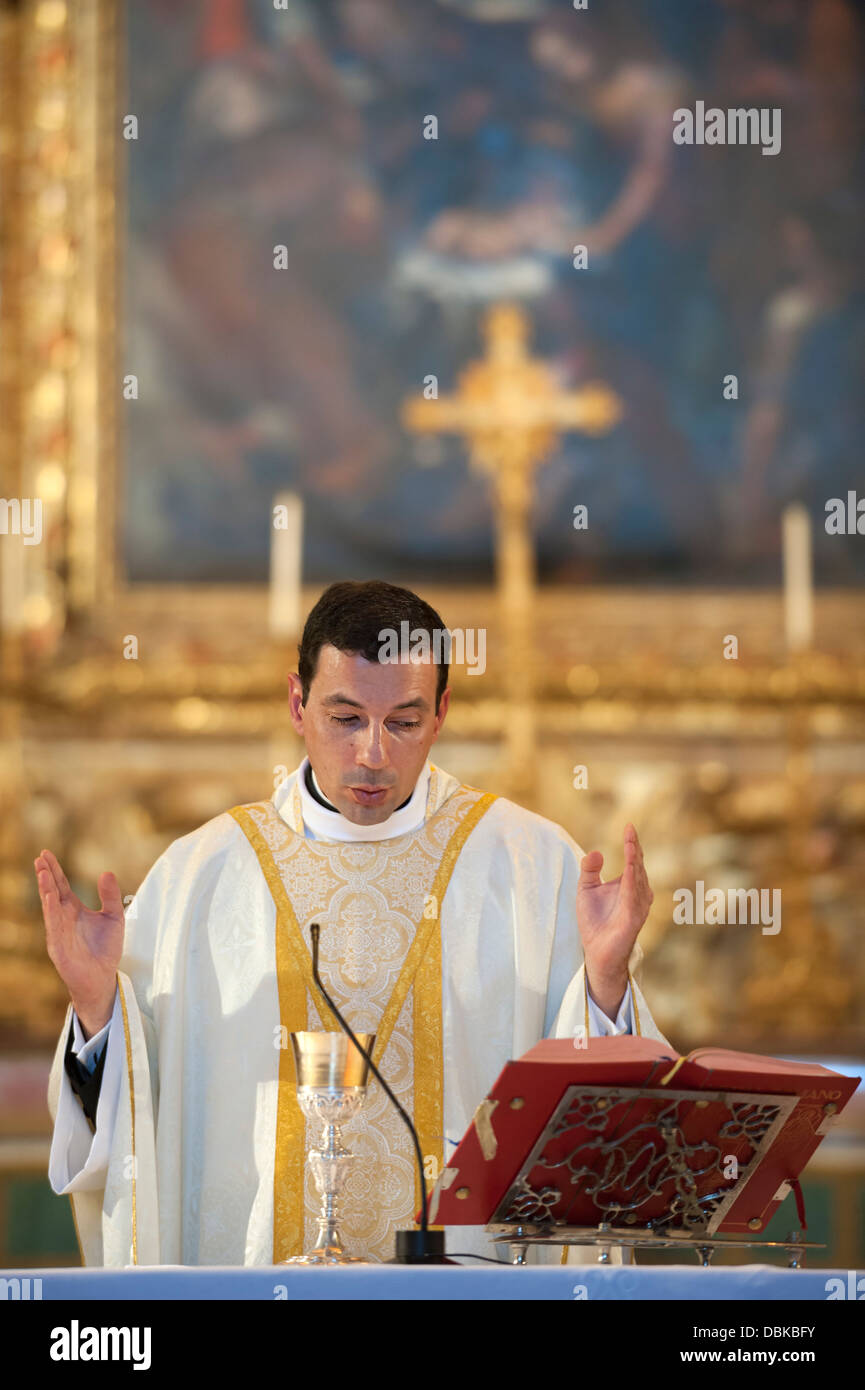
x: 798, y: 581
x: 286, y: 563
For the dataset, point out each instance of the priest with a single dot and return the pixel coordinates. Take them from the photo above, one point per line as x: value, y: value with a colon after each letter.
x: 455, y: 925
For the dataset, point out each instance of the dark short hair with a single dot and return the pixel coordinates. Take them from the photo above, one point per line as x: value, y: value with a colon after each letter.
x: 351, y: 614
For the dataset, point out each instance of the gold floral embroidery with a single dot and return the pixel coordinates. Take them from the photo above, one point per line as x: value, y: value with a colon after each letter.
x: 379, y: 905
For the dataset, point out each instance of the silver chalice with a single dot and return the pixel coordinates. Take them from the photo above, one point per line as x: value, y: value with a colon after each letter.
x: 331, y: 1088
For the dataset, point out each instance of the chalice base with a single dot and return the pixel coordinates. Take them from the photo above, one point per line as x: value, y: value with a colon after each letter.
x: 327, y: 1255
x: 328, y: 1250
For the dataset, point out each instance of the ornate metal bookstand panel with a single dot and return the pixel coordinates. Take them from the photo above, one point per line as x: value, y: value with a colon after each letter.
x: 636, y: 1158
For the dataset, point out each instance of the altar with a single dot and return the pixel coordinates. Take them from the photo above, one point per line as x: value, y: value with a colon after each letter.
x: 388, y: 1283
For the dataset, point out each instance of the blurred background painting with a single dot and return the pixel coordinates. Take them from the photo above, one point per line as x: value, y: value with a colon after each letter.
x: 545, y: 129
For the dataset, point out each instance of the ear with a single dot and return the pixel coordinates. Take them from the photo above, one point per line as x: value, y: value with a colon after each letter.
x: 295, y: 701
x: 442, y: 711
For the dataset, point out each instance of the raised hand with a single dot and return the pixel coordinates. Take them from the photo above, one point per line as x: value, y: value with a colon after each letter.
x: 84, y: 945
x: 610, y: 916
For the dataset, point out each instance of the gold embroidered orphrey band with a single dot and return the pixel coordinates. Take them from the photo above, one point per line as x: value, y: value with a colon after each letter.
x: 422, y: 968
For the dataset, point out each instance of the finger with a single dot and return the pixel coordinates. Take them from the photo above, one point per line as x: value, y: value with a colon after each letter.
x: 47, y: 888
x: 632, y: 854
x: 590, y: 868
x: 44, y: 876
x: 52, y: 910
x: 631, y: 836
x: 636, y: 886
x: 643, y: 872
x: 634, y: 863
x: 643, y: 888
x: 631, y: 880
x: 60, y: 879
x: 48, y: 893
x: 637, y: 849
x: 645, y: 894
x: 636, y: 859
x: 110, y: 898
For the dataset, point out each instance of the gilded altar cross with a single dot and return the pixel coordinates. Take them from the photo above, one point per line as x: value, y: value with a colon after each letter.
x: 511, y: 410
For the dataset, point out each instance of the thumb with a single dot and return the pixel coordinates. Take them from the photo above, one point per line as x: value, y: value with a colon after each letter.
x: 590, y: 869
x: 110, y: 898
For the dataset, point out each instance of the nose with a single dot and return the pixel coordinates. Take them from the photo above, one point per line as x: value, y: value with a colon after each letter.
x: 371, y: 750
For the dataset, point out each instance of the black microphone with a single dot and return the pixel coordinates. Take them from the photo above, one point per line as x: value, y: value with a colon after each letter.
x: 413, y: 1247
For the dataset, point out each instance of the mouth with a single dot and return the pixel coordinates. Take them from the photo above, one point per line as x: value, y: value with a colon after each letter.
x: 369, y: 796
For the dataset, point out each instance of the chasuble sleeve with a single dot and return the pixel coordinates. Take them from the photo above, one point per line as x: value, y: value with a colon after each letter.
x: 83, y: 1124
x: 106, y: 1164
x: 103, y: 1143
x: 83, y: 1098
x: 122, y: 1180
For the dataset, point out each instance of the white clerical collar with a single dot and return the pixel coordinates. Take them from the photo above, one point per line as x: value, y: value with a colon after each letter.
x: 323, y: 824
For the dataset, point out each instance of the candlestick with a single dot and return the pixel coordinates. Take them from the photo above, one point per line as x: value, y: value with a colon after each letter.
x: 798, y: 580
x: 286, y: 564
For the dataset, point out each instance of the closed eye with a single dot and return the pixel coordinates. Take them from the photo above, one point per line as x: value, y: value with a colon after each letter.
x: 401, y: 723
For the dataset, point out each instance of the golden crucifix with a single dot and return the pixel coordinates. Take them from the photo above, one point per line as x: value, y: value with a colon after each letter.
x: 512, y: 411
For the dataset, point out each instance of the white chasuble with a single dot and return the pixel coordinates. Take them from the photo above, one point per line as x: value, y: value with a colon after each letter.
x: 378, y: 905
x: 453, y: 937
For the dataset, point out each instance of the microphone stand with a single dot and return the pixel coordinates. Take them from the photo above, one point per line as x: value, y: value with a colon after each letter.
x: 417, y: 1246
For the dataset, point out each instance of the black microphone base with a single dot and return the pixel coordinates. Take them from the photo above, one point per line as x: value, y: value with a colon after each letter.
x: 417, y: 1247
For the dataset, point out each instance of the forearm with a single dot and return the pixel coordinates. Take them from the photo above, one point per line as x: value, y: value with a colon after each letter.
x: 94, y: 1013
x: 607, y: 989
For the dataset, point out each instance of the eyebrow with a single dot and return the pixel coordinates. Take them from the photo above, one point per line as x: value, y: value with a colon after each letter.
x: 418, y: 703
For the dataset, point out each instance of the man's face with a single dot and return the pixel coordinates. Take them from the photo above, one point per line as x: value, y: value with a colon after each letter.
x: 368, y: 728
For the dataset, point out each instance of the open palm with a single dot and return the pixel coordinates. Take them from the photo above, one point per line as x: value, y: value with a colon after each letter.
x: 611, y: 914
x: 84, y: 945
